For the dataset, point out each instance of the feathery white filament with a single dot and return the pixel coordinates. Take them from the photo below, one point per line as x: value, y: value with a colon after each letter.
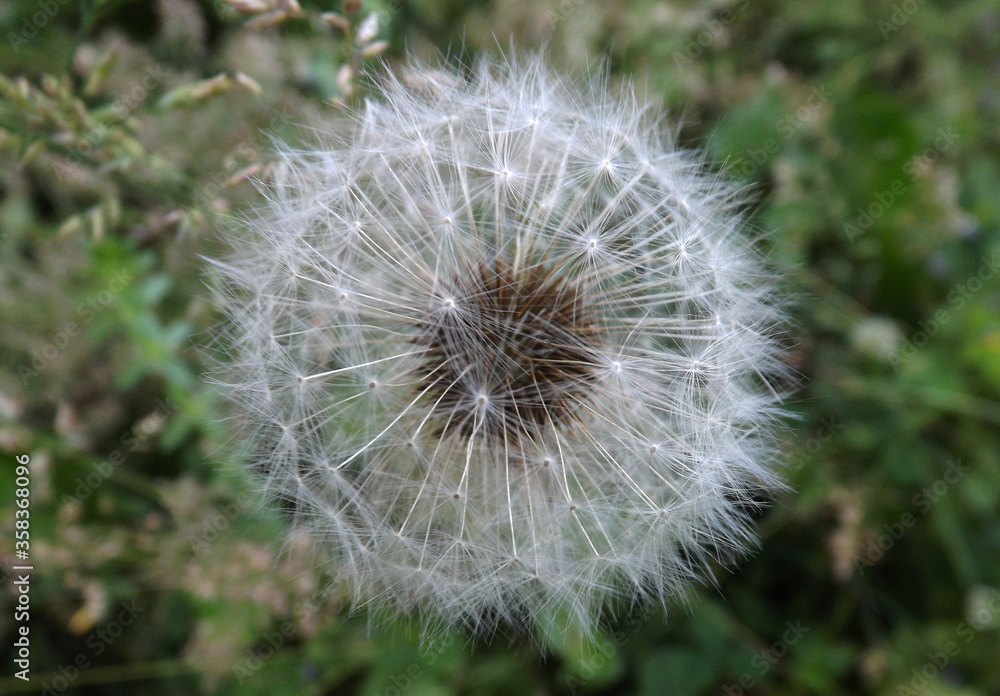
x: 505, y: 351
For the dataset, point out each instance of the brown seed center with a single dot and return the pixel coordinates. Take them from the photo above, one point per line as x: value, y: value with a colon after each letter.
x: 510, y: 351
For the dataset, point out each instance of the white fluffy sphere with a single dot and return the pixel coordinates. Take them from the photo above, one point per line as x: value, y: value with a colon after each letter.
x: 505, y: 350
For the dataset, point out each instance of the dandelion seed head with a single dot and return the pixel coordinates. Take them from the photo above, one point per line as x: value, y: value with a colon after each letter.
x: 505, y: 350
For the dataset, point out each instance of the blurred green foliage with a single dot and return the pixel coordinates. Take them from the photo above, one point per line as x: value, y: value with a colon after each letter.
x: 867, y: 133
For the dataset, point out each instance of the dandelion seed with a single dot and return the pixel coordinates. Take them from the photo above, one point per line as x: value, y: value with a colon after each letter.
x: 534, y: 353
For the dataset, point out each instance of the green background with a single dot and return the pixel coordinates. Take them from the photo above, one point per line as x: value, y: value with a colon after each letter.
x: 868, y: 135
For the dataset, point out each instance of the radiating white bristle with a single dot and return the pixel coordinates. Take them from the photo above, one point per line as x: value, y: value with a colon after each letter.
x: 611, y: 452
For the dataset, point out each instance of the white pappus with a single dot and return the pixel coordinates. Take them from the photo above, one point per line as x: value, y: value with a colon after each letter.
x: 505, y: 351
